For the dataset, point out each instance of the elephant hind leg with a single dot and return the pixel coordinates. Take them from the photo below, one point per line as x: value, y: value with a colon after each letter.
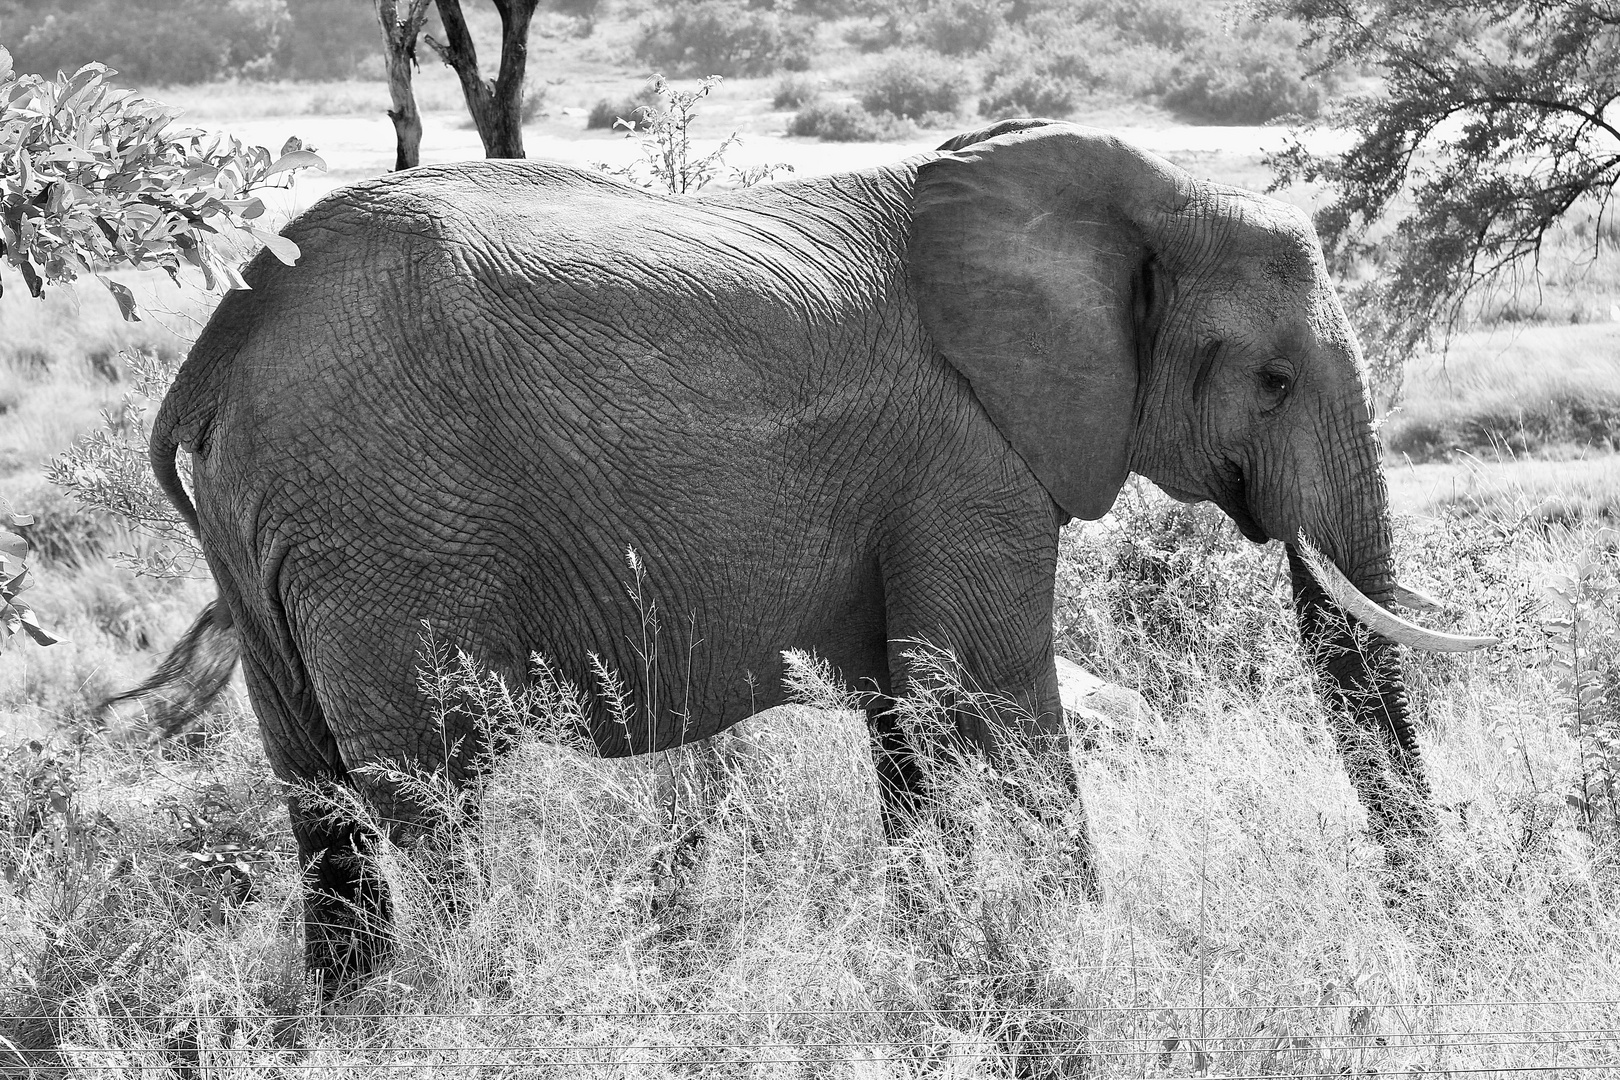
x: 346, y: 909
x: 345, y: 902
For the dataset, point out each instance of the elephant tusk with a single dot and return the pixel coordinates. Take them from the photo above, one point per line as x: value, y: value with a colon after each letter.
x: 1381, y: 622
x: 1414, y: 599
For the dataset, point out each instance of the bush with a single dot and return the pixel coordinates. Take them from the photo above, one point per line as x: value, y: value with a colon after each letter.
x: 846, y: 121
x: 605, y: 113
x: 1030, y: 92
x: 871, y: 37
x: 719, y: 37
x: 824, y: 10
x: 960, y: 27
x: 794, y: 91
x: 913, y: 85
x: 157, y: 40
x: 1241, y: 81
x: 326, y: 39
x: 534, y: 102
x: 1167, y: 25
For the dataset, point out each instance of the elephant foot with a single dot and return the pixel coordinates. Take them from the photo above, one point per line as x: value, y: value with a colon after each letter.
x: 1062, y: 834
x: 346, y: 919
x: 1077, y: 860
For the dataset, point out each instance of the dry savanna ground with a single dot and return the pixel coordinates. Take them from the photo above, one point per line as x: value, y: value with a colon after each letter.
x: 148, y: 917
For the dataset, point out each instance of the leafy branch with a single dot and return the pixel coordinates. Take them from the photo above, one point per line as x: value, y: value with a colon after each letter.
x: 1583, y: 626
x: 1492, y: 121
x: 94, y: 177
x: 17, y: 616
x: 108, y: 470
x: 666, y: 147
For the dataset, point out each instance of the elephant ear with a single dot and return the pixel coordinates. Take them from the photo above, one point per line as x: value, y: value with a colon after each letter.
x: 1030, y: 258
x: 1000, y: 127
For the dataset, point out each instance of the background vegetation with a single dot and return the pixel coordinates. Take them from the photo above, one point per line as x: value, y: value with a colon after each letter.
x: 183, y: 41
x: 148, y: 911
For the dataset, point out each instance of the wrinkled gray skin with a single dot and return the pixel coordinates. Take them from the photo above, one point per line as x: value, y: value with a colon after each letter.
x: 833, y: 414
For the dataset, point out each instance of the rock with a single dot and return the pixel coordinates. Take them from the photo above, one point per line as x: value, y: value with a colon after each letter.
x: 1099, y: 710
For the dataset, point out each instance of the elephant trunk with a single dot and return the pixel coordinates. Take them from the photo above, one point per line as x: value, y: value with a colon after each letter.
x: 1360, y: 676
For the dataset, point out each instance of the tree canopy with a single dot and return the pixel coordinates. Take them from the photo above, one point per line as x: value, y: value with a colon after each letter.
x: 1489, y: 123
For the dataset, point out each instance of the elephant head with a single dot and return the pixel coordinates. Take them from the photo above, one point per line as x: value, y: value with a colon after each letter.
x: 1114, y: 315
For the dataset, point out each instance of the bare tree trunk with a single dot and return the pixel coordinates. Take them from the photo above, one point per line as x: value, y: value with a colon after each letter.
x: 496, y: 106
x: 399, y: 57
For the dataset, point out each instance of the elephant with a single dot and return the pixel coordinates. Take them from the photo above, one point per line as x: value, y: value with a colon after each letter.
x: 835, y: 414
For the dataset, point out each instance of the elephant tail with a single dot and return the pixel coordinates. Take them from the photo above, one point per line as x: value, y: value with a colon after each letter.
x: 168, y: 432
x: 188, y: 681
x: 195, y: 672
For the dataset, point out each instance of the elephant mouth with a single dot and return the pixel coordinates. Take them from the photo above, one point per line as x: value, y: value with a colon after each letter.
x: 1232, y: 496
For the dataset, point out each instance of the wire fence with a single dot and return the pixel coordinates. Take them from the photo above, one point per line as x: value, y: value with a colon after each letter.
x: 1233, y: 1042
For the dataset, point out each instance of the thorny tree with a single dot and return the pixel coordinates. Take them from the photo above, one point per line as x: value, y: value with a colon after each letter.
x: 1492, y: 123
x: 496, y: 105
x: 401, y: 30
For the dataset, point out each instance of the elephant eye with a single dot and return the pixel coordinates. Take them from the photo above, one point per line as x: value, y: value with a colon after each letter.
x: 1275, y: 382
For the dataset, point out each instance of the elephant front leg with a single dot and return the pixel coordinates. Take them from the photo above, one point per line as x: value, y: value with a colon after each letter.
x: 1360, y: 677
x: 972, y: 631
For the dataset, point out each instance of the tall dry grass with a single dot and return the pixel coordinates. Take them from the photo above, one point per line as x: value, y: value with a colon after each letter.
x: 61, y: 367
x: 734, y: 911
x: 1512, y: 391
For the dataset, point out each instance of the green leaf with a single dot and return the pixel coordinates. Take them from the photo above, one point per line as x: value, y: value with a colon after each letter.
x: 125, y: 299
x: 281, y: 247
x: 31, y: 277
x: 296, y: 159
x: 13, y: 545
x: 30, y: 625
x: 233, y: 279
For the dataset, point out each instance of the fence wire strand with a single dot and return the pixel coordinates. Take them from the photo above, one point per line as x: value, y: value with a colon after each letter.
x: 632, y: 1014
x: 1314, y: 1074
x: 1262, y: 1044
x: 1072, y: 1033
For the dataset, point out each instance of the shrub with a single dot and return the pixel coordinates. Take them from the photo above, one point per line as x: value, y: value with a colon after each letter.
x: 824, y: 10
x: 326, y: 39
x: 871, y: 37
x: 1030, y: 92
x: 585, y: 12
x: 1167, y: 25
x: 846, y: 121
x: 534, y: 102
x: 66, y: 534
x: 157, y: 40
x: 637, y: 108
x: 913, y: 85
x: 719, y: 37
x: 1241, y: 80
x: 1162, y: 582
x: 794, y: 91
x: 959, y: 27
x: 667, y: 157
